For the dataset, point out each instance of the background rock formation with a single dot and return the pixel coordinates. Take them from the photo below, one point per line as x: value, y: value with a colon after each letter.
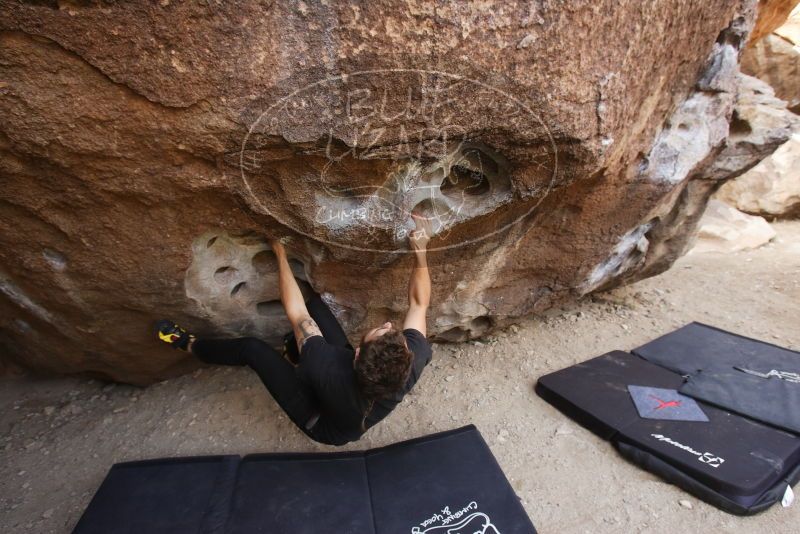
x: 775, y: 59
x: 149, y: 151
x: 771, y: 188
x: 725, y: 229
x: 771, y: 15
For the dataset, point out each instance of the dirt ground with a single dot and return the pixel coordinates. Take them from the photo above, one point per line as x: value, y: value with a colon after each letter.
x: 59, y: 436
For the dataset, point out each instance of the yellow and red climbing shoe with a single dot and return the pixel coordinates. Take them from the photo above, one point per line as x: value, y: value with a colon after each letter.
x: 171, y: 333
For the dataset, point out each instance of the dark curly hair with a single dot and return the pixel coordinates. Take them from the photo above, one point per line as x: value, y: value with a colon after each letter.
x: 383, y: 365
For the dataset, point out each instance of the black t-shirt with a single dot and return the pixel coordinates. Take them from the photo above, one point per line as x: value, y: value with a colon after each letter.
x: 328, y: 369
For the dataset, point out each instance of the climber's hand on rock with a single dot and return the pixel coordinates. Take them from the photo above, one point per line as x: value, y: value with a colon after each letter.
x: 418, y: 239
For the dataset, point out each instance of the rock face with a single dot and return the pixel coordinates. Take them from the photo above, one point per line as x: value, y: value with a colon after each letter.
x: 775, y: 59
x: 723, y: 228
x: 771, y: 188
x: 149, y: 151
x: 771, y: 15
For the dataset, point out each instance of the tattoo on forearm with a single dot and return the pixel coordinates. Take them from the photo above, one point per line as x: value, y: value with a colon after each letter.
x: 308, y: 328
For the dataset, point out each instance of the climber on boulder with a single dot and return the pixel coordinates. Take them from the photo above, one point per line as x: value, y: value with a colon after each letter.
x: 332, y: 392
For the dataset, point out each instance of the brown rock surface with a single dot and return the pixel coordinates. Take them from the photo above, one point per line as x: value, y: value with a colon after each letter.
x: 147, y: 152
x: 771, y: 15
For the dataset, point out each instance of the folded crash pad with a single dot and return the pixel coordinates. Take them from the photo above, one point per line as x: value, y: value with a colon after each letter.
x: 177, y: 495
x: 715, y: 363
x: 730, y: 461
x: 443, y: 483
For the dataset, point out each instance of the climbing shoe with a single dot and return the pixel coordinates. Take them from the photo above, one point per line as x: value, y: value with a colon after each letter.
x: 171, y: 333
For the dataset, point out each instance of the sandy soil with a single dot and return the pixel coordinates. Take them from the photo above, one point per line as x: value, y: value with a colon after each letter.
x: 60, y: 436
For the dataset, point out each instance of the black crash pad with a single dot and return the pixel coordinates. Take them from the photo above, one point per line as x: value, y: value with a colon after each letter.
x: 696, y: 346
x: 712, y: 360
x: 182, y: 493
x: 733, y: 462
x: 443, y: 483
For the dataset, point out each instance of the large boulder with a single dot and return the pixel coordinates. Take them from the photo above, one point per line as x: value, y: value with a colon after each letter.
x: 723, y: 228
x: 771, y: 188
x: 148, y: 152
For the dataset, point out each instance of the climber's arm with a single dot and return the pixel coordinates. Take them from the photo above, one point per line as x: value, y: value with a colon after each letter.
x: 292, y: 298
x: 419, y: 287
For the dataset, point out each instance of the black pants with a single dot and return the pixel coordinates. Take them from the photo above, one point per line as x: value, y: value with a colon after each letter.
x: 294, y: 396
